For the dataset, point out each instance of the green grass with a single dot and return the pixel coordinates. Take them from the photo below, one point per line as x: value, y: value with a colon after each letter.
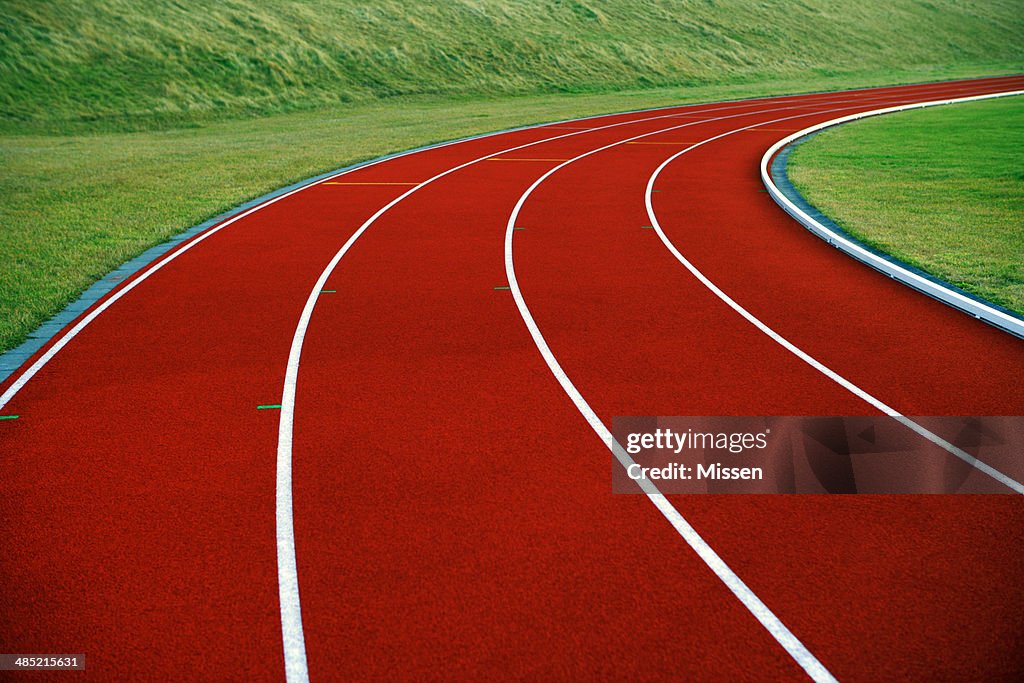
x: 132, y: 63
x: 125, y: 122
x: 942, y: 189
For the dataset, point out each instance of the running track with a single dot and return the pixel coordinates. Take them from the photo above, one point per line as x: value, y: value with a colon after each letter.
x: 451, y: 505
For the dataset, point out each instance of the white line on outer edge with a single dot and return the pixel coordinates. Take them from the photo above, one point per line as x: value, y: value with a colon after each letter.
x: 954, y: 298
x: 796, y: 649
x: 18, y: 384
x: 799, y: 353
x: 296, y: 669
x: 295, y: 663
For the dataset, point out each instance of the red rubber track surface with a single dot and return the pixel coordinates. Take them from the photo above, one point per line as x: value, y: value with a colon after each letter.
x: 453, y: 514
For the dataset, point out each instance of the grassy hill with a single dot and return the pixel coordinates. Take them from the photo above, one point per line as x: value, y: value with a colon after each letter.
x: 132, y: 63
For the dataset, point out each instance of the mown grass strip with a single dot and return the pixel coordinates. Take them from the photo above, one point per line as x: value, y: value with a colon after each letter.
x: 155, y: 63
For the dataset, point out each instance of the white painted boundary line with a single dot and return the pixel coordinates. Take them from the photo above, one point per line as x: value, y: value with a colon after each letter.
x: 785, y: 343
x: 291, y: 618
x: 22, y: 380
x: 293, y: 640
x: 796, y: 649
x: 973, y: 307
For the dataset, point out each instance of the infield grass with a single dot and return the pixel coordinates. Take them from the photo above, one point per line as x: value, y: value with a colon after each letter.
x: 940, y: 188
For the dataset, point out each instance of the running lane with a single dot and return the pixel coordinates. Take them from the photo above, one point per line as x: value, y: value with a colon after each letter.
x: 452, y: 511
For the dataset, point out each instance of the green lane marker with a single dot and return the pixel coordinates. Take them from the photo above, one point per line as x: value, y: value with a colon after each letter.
x: 268, y: 407
x: 328, y: 291
x: 502, y: 288
x: 762, y: 190
x: 649, y: 227
x: 655, y: 190
x: 519, y: 228
x: 9, y: 417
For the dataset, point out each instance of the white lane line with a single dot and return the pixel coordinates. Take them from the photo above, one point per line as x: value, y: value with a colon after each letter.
x: 296, y: 668
x: 28, y: 374
x: 978, y: 309
x: 796, y: 649
x: 1002, y: 478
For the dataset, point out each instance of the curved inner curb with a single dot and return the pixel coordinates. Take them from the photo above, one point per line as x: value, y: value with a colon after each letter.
x: 821, y: 225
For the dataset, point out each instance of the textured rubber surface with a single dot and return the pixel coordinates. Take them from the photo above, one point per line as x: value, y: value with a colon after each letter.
x: 453, y: 514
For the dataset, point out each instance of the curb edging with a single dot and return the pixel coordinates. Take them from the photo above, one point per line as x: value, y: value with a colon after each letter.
x: 780, y: 188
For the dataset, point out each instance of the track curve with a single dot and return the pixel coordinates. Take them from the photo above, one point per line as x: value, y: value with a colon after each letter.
x: 451, y: 508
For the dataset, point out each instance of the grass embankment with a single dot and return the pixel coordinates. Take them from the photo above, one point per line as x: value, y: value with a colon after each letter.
x: 941, y: 189
x: 125, y: 122
x: 149, y: 62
